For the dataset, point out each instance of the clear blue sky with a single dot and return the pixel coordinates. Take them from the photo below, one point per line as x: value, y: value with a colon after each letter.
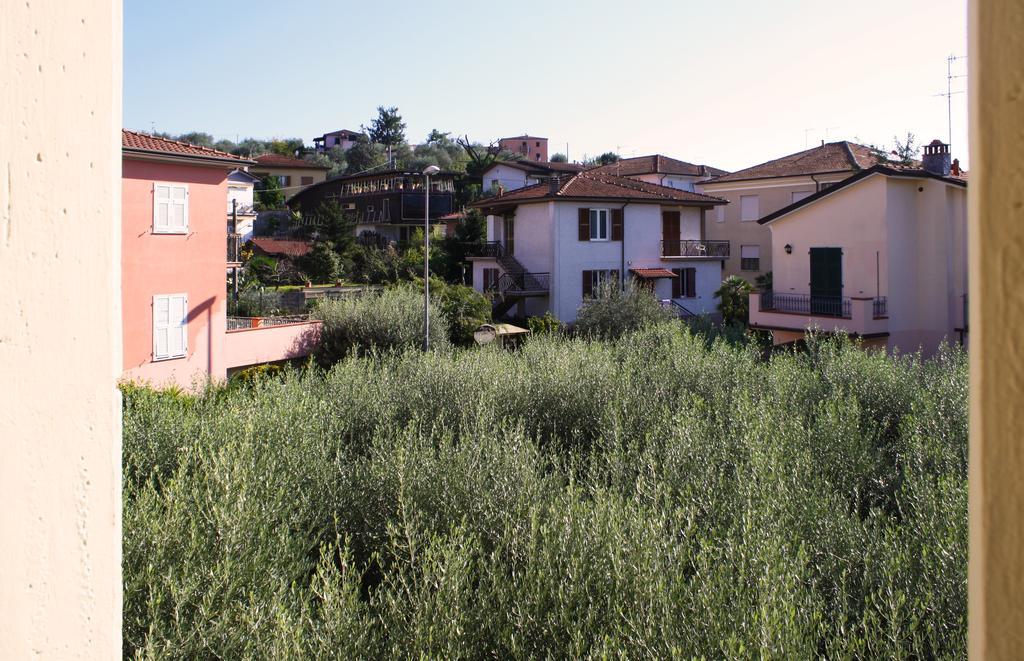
x: 729, y: 83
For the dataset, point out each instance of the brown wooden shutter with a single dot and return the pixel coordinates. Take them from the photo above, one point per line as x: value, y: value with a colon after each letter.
x: 677, y: 283
x: 616, y: 224
x: 584, y: 224
x: 588, y: 284
x: 691, y: 283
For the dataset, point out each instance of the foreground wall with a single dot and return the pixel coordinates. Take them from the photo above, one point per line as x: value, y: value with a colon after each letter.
x: 269, y: 344
x: 996, y: 198
x: 60, y: 448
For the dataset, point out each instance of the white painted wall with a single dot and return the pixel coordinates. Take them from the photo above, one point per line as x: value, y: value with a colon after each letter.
x: 60, y: 336
x: 671, y: 180
x: 510, y: 178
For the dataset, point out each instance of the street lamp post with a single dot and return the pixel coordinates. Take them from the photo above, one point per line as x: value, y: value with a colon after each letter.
x: 427, y: 171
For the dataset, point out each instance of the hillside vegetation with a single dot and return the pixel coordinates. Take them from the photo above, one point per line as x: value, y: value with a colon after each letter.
x: 652, y: 497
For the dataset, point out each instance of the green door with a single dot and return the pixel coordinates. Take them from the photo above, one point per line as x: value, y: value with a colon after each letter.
x: 827, y: 281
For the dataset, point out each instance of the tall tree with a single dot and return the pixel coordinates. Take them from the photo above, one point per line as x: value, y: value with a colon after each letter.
x: 197, y: 138
x: 269, y: 195
x: 559, y: 158
x: 387, y: 128
x: 905, y: 152
x: 608, y: 158
x: 364, y: 155
x: 480, y: 157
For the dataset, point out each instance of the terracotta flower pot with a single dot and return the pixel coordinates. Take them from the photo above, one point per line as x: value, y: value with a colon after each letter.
x: 256, y: 322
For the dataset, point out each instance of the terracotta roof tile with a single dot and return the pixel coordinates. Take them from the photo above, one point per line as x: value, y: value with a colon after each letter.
x: 135, y: 141
x: 540, y: 167
x: 830, y: 157
x: 657, y: 164
x: 287, y: 247
x: 279, y: 161
x: 591, y: 185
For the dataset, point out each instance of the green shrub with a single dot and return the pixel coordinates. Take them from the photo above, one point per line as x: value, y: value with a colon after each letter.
x: 386, y: 320
x: 321, y: 264
x: 734, y: 300
x: 546, y: 324
x: 659, y: 496
x: 615, y: 310
x: 464, y: 308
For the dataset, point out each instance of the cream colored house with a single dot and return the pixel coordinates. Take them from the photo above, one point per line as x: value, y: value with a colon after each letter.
x: 661, y: 170
x: 758, y: 191
x: 293, y: 174
x: 881, y: 255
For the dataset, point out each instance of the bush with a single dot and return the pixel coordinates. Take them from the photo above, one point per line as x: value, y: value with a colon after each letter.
x: 548, y: 324
x: 616, y: 310
x: 391, y: 319
x: 734, y: 300
x: 321, y: 264
x: 464, y: 308
x: 657, y: 496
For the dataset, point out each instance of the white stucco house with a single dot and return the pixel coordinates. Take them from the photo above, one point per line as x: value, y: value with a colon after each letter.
x: 241, y: 208
x: 881, y: 255
x: 550, y: 244
x: 510, y: 175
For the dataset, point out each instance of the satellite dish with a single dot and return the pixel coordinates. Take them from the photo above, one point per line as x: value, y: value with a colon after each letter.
x: 485, y: 334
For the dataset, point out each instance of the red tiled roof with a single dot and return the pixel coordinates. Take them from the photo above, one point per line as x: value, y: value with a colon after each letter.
x: 455, y: 215
x: 590, y: 185
x: 657, y: 164
x: 653, y: 273
x: 286, y: 247
x: 540, y: 167
x: 279, y: 161
x: 830, y: 157
x: 133, y: 141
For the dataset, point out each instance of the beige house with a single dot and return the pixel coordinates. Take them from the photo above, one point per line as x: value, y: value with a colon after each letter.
x: 758, y: 191
x: 293, y: 174
x: 881, y: 255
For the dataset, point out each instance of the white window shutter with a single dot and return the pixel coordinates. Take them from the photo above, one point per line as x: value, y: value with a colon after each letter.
x: 749, y: 207
x: 179, y: 208
x: 170, y: 326
x: 750, y: 252
x: 161, y: 207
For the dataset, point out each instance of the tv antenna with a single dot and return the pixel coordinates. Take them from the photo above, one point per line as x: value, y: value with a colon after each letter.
x: 807, y: 132
x: 949, y: 92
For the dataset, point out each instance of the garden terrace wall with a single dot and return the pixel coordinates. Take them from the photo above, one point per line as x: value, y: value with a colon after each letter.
x: 268, y: 344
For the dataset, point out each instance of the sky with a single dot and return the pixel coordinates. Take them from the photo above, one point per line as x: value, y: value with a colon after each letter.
x: 728, y: 83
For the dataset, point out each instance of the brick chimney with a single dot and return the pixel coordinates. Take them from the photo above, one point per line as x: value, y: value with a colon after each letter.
x: 554, y: 183
x: 936, y: 158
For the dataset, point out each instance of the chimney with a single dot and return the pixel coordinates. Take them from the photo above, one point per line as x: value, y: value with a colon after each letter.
x: 554, y: 183
x: 955, y: 168
x: 936, y: 158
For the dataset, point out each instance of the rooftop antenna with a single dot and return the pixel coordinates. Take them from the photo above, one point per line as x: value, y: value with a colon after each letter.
x: 827, y: 129
x: 152, y: 127
x: 807, y: 133
x: 949, y: 92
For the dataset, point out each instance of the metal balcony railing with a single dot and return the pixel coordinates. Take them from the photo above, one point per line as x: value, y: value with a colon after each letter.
x: 880, y: 307
x: 695, y: 248
x: 518, y: 283
x: 817, y: 306
x: 487, y: 249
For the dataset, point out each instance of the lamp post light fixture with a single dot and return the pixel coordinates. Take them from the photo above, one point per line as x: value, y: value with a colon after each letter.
x: 427, y: 171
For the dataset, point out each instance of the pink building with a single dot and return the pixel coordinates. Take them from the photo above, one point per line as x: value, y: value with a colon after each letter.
x: 530, y: 146
x: 174, y: 255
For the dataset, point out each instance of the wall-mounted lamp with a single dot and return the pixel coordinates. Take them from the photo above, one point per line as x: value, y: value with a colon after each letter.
x: 788, y: 249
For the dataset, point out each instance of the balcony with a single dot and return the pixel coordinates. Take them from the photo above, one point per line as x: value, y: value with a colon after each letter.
x: 490, y: 249
x: 790, y: 315
x: 524, y: 284
x: 694, y: 249
x: 234, y: 249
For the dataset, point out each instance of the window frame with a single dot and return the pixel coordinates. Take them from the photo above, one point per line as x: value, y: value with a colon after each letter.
x: 745, y: 262
x: 757, y: 210
x: 168, y: 229
x: 594, y: 217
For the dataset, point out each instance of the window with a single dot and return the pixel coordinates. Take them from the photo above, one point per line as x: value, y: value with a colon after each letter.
x: 594, y: 279
x: 306, y: 181
x: 284, y: 180
x: 750, y: 258
x: 490, y: 279
x: 598, y: 224
x: 720, y: 213
x: 684, y: 285
x: 170, y: 208
x: 796, y: 196
x: 750, y: 208
x: 170, y: 326
x: 538, y: 144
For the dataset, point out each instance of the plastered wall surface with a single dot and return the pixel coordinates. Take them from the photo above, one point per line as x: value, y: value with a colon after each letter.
x: 996, y: 244
x: 60, y: 523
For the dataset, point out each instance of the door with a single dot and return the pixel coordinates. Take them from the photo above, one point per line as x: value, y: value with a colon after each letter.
x: 510, y: 235
x: 827, y: 281
x: 670, y: 233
